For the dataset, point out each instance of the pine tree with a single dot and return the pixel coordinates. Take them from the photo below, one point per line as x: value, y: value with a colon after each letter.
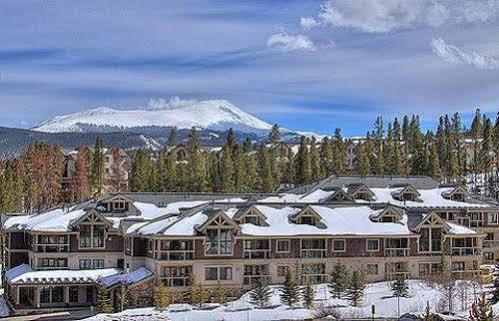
x: 172, y: 138
x: 378, y: 134
x: 274, y: 135
x: 118, y: 170
x: 161, y: 296
x: 197, y: 166
x: 227, y: 165
x: 476, y: 133
x: 103, y: 300
x: 326, y: 157
x: 339, y: 148
x: 97, y: 169
x: 303, y: 165
x: 290, y: 292
x: 434, y: 162
x: 198, y: 294
x: 80, y: 185
x: 308, y: 295
x: 356, y: 288
x: 339, y: 280
x: 260, y: 294
x: 219, y: 294
x: 141, y: 173
x: 481, y: 310
x: 400, y: 288
x: 315, y: 166
x: 362, y: 165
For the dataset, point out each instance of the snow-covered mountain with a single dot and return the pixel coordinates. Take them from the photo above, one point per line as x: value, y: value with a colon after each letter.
x: 218, y: 115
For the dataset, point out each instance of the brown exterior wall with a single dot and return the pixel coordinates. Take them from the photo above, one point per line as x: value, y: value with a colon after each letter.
x: 199, y: 251
x: 139, y: 246
x: 19, y: 240
x: 17, y: 258
x: 114, y: 243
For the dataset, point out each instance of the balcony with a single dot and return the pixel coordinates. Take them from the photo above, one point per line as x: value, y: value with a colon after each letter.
x: 257, y: 254
x: 490, y: 243
x: 465, y: 251
x: 50, y: 248
x: 254, y: 279
x: 313, y: 253
x: 397, y: 252
x: 177, y: 255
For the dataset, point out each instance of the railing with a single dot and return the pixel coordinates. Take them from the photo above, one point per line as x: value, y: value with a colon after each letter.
x: 50, y: 248
x: 257, y: 254
x: 313, y: 253
x: 490, y: 243
x: 465, y: 251
x: 397, y: 252
x: 176, y: 255
x: 253, y: 279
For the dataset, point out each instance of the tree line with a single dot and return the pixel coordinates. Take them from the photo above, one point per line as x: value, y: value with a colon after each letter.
x: 33, y: 181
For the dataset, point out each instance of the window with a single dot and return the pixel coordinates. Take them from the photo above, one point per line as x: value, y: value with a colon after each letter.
x: 492, y: 218
x: 53, y: 262
x: 218, y: 273
x: 92, y: 232
x: 90, y: 294
x: 372, y: 269
x: 219, y: 242
x: 283, y: 245
x: 119, y: 206
x: 176, y: 276
x: 73, y: 294
x: 251, y: 219
x: 387, y: 219
x: 85, y: 236
x: 372, y: 245
x: 314, y: 273
x: 339, y: 246
x: 57, y: 294
x: 98, y: 263
x: 458, y: 266
x: 45, y: 294
x: 282, y: 270
x: 488, y: 256
x: 309, y: 220
x: 85, y: 264
x: 52, y: 243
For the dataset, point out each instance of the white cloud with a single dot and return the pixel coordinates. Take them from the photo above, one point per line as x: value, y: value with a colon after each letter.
x: 287, y: 42
x: 378, y: 16
x: 308, y: 22
x: 173, y: 103
x: 455, y: 55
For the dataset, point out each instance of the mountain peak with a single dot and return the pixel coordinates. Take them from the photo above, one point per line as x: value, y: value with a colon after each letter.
x: 216, y: 114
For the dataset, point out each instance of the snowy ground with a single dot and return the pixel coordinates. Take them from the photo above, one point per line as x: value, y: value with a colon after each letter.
x: 378, y: 294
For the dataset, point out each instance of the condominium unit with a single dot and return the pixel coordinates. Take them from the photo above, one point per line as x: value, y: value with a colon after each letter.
x: 385, y: 226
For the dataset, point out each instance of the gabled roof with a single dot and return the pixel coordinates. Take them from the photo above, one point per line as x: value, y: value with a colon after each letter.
x: 406, y: 188
x: 308, y: 210
x: 339, y: 195
x: 353, y: 189
x: 216, y: 214
x: 432, y: 218
x: 389, y: 211
x: 459, y: 189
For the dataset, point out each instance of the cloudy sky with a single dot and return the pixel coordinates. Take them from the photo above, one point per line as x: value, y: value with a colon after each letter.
x: 310, y: 65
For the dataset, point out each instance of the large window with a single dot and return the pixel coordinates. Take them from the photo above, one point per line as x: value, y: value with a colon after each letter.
x: 372, y: 245
x: 73, y: 294
x: 92, y: 236
x: 45, y: 294
x: 52, y: 243
x: 53, y: 263
x: 222, y: 273
x: 283, y: 246
x: 339, y: 245
x: 176, y: 250
x: 57, y: 294
x: 176, y: 276
x: 86, y: 264
x: 218, y: 241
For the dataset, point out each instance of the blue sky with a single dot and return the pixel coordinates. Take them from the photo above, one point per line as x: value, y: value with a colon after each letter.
x: 308, y: 65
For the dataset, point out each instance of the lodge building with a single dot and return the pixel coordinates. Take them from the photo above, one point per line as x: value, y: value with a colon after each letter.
x: 385, y: 226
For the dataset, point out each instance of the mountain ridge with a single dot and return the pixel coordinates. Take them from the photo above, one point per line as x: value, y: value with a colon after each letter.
x: 219, y: 115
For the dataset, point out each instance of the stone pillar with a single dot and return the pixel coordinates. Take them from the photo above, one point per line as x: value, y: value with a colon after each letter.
x: 37, y: 296
x: 66, y: 294
x: 17, y: 295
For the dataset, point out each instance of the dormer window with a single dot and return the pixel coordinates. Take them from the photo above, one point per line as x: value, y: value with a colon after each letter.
x: 458, y: 197
x: 250, y: 215
x: 92, y: 232
x: 387, y: 219
x: 406, y: 193
x: 309, y: 220
x: 457, y: 194
x: 119, y: 206
x: 307, y: 216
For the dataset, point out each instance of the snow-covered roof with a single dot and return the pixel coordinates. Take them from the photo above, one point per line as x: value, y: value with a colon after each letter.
x: 56, y: 220
x: 23, y: 274
x: 460, y: 229
x: 127, y: 279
